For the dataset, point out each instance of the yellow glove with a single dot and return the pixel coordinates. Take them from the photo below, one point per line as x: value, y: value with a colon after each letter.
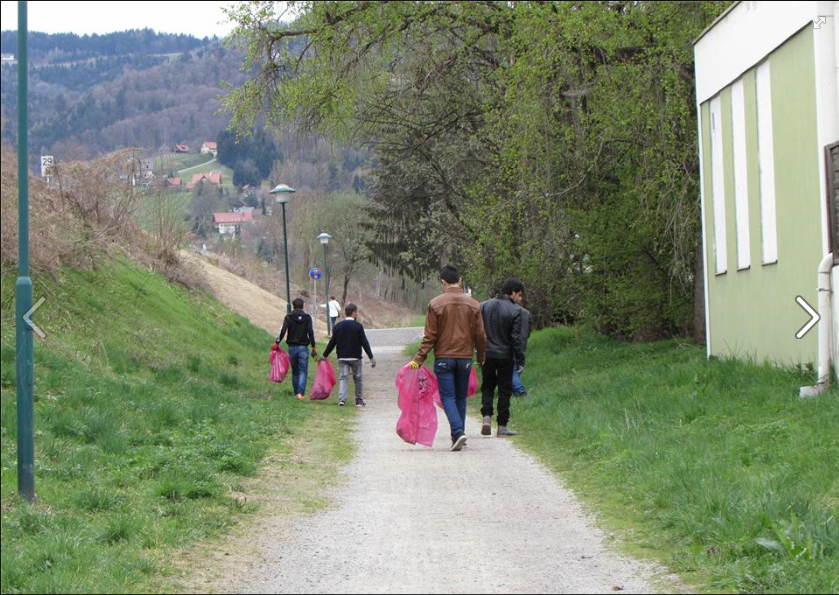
x: 414, y: 364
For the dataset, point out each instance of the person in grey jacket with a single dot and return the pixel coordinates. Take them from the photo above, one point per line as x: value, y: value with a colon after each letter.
x: 518, y: 387
x: 505, y: 345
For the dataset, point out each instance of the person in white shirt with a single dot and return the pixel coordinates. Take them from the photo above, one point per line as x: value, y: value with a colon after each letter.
x: 334, y: 310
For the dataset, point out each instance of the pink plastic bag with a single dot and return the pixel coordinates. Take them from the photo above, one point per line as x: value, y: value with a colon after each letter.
x: 324, y: 381
x: 418, y: 422
x: 471, y: 390
x: 473, y: 384
x: 280, y: 363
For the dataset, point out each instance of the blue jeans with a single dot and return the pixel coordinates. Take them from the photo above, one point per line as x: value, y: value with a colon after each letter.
x: 518, y: 387
x: 453, y: 378
x: 299, y: 355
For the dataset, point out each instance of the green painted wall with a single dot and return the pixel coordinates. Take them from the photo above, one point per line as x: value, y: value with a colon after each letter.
x: 753, y: 312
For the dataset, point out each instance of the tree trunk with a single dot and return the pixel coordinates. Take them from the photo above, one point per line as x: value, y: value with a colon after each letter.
x: 344, y: 295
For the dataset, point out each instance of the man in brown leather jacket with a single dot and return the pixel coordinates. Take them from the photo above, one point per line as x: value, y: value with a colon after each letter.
x: 454, y: 329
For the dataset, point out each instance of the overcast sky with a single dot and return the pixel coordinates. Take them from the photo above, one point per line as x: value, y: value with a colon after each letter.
x: 200, y: 18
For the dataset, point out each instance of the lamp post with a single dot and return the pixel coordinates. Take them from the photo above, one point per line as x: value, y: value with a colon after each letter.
x: 23, y: 286
x: 324, y: 239
x: 282, y: 194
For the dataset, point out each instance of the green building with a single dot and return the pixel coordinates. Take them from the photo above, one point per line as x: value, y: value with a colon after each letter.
x: 768, y: 109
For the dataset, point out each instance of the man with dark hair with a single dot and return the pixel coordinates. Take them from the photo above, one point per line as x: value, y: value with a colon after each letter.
x: 349, y: 337
x: 301, y: 334
x: 454, y: 329
x: 503, y: 324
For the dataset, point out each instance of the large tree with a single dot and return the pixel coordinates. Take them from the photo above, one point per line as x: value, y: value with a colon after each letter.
x: 554, y: 141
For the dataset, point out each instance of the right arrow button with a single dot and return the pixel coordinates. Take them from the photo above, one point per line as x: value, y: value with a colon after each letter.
x: 814, y: 317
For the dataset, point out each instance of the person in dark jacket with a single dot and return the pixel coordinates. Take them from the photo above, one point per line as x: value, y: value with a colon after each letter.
x: 349, y: 337
x: 505, y: 345
x: 518, y: 387
x: 300, y: 333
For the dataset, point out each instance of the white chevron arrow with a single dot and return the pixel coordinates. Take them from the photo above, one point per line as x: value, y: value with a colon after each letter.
x: 814, y: 317
x: 28, y: 320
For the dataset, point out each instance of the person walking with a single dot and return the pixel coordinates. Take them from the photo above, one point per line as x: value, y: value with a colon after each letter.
x: 349, y: 338
x: 300, y: 333
x: 503, y: 324
x: 334, y: 310
x: 454, y: 329
x: 518, y: 387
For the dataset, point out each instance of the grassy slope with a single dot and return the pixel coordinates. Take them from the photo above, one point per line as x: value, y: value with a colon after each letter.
x: 152, y: 406
x: 701, y: 459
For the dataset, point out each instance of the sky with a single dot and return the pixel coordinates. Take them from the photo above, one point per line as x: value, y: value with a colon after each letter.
x: 200, y: 18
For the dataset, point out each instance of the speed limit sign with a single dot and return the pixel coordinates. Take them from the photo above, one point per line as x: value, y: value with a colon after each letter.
x: 47, y: 165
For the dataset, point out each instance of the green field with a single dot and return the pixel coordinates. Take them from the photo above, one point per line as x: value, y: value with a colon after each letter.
x: 152, y: 413
x: 174, y: 162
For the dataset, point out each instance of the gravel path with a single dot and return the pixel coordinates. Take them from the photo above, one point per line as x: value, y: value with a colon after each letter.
x: 406, y: 519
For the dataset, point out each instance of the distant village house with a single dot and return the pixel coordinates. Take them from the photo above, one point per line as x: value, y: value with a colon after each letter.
x: 231, y: 223
x: 214, y: 177
x: 209, y: 147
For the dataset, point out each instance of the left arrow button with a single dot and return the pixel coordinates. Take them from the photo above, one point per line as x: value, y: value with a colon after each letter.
x: 27, y: 318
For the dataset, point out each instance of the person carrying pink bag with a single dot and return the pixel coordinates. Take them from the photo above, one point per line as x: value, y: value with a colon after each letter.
x: 454, y: 329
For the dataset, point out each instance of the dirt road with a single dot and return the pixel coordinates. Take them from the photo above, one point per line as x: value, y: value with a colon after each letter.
x: 407, y: 519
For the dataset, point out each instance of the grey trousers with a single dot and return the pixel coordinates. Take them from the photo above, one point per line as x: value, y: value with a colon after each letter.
x: 346, y: 366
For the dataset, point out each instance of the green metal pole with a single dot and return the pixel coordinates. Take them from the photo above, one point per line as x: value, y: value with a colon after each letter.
x: 25, y: 373
x: 287, y: 277
x: 327, y: 300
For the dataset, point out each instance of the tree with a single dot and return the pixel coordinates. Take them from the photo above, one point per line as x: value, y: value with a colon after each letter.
x: 553, y: 141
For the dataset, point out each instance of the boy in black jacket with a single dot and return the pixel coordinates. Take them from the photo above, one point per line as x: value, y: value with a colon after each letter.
x: 348, y: 335
x: 301, y: 334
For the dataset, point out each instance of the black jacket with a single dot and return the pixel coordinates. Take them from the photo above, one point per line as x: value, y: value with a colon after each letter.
x: 503, y: 326
x: 299, y: 327
x: 348, y: 335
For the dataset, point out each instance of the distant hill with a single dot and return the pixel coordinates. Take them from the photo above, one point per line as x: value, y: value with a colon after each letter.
x: 95, y: 93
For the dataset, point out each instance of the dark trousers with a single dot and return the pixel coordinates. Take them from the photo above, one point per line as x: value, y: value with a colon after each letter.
x: 497, y: 373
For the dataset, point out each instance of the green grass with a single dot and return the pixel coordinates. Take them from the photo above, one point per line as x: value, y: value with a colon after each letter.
x: 165, y: 164
x: 226, y: 173
x: 152, y: 406
x: 715, y: 468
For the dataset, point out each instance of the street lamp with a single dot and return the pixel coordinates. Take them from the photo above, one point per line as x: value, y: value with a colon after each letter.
x: 282, y: 194
x: 324, y: 239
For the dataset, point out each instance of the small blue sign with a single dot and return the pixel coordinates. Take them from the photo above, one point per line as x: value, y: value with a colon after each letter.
x: 315, y: 274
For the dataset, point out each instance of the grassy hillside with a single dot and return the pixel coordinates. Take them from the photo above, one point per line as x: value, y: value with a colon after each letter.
x: 717, y: 468
x: 152, y: 407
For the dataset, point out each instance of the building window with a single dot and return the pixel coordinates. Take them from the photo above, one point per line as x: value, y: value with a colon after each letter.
x: 718, y: 188
x: 766, y: 161
x: 741, y: 184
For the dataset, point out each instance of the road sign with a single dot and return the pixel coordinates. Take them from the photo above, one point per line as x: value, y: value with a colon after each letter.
x: 315, y: 274
x: 47, y: 165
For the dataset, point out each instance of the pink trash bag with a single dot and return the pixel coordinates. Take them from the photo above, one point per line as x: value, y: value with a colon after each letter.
x: 280, y: 363
x: 417, y: 389
x: 471, y: 390
x: 324, y: 381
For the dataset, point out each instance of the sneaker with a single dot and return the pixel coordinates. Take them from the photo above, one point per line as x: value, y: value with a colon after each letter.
x: 300, y: 397
x: 360, y: 403
x: 521, y: 394
x: 486, y: 429
x: 341, y: 403
x: 459, y: 443
x: 504, y: 431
